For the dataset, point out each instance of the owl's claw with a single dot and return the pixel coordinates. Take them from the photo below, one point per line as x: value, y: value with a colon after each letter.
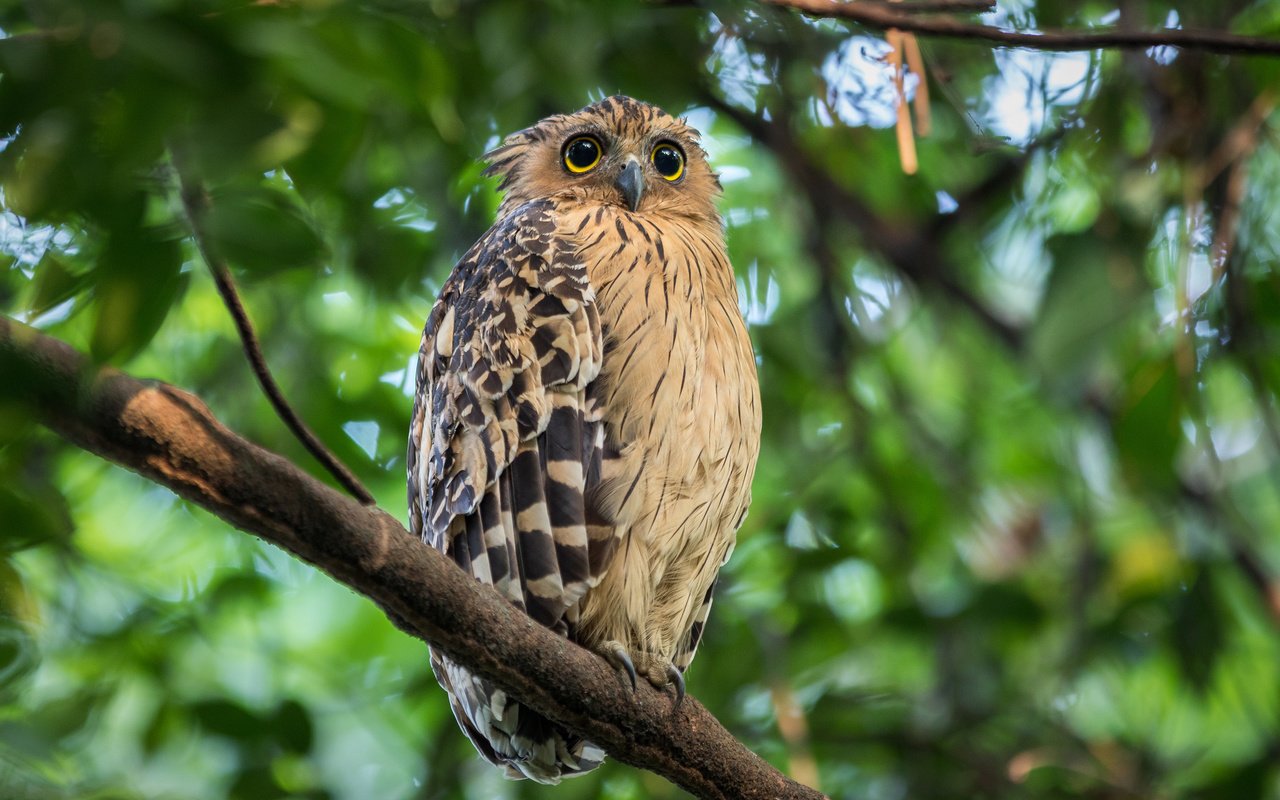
x: 616, y: 654
x: 677, y: 679
x: 655, y: 671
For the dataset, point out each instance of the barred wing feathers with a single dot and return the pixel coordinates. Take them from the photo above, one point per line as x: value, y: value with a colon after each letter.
x: 505, y: 445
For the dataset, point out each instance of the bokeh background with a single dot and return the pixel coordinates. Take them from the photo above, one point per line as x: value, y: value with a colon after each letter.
x: 1015, y: 523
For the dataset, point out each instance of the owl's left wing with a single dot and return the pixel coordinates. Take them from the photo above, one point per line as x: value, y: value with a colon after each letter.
x: 506, y: 438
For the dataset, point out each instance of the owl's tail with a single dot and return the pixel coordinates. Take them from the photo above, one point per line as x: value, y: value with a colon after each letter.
x: 524, y: 743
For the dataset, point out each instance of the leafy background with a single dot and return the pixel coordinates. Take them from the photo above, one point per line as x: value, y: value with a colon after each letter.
x: 1014, y: 527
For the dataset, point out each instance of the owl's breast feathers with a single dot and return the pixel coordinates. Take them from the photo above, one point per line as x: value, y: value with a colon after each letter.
x: 681, y: 413
x: 583, y: 438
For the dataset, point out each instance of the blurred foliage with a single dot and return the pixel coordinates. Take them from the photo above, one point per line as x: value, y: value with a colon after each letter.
x: 1014, y: 528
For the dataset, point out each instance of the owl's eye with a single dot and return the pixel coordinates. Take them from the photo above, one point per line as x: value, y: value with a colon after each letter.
x: 668, y: 161
x: 582, y: 153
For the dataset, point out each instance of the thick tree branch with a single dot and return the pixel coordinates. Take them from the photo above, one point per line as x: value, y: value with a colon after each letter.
x: 884, y: 17
x: 170, y: 437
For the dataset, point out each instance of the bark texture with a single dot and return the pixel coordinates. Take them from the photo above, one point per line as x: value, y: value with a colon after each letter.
x: 170, y: 436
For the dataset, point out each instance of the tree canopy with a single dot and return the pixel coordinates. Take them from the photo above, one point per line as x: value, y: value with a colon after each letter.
x: 1014, y: 528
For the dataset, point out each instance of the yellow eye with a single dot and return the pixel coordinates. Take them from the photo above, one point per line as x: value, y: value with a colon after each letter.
x: 668, y: 161
x: 582, y: 153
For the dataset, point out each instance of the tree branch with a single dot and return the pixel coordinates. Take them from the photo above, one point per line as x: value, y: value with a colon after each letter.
x: 170, y: 437
x: 934, y: 6
x: 195, y: 201
x: 885, y: 16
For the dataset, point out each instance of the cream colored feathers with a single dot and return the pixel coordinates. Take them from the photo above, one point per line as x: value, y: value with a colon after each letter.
x: 587, y: 417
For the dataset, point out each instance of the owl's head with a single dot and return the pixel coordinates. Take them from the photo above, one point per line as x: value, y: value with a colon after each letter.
x: 619, y: 151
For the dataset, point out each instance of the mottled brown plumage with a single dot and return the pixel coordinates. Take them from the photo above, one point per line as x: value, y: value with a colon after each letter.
x: 587, y: 417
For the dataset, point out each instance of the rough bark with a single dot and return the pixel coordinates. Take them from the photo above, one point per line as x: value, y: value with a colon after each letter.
x: 170, y: 436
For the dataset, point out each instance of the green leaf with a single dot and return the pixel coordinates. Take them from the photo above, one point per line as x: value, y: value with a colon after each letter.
x: 1251, y: 780
x: 386, y: 255
x: 66, y: 716
x: 18, y: 653
x: 32, y: 519
x: 230, y: 719
x: 1147, y: 427
x: 262, y: 229
x: 293, y: 728
x: 1198, y: 631
x: 1091, y: 291
x: 138, y: 281
x: 238, y: 589
x: 159, y: 730
x: 256, y: 783
x: 55, y: 282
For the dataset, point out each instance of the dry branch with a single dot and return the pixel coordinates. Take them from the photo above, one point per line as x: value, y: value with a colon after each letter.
x: 170, y: 437
x: 935, y: 6
x: 886, y: 16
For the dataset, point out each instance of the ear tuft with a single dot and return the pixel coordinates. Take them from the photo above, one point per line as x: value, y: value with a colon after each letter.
x: 504, y: 160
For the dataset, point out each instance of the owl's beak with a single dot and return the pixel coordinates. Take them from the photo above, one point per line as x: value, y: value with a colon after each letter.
x: 631, y: 182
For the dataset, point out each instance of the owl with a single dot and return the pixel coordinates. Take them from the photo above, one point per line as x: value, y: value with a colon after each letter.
x: 587, y: 415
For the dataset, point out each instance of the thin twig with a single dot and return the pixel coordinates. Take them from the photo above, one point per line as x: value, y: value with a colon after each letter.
x: 906, y: 139
x: 936, y: 6
x: 885, y: 16
x: 195, y: 200
x: 915, y: 62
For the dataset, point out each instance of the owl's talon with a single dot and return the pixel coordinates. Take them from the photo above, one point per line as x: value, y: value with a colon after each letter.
x: 616, y: 655
x: 677, y: 679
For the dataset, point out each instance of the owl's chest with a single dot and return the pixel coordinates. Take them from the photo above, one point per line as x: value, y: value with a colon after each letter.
x: 678, y: 377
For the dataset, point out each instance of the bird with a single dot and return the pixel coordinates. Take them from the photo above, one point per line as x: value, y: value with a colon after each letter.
x: 586, y: 422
